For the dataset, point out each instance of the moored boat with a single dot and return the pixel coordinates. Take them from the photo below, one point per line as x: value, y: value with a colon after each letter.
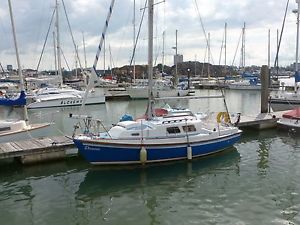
x: 11, y: 130
x: 289, y: 100
x: 16, y: 101
x: 290, y: 120
x: 172, y: 135
x: 19, y: 129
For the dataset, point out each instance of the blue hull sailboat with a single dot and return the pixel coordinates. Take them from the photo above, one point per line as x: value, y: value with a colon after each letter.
x: 176, y: 135
x: 19, y: 101
x: 184, y: 140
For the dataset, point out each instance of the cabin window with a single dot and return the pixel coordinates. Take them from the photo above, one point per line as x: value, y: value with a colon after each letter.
x: 135, y: 134
x: 189, y: 128
x: 4, y: 128
x: 173, y: 130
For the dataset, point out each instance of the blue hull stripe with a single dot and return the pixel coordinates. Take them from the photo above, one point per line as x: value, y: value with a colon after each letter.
x: 103, y: 154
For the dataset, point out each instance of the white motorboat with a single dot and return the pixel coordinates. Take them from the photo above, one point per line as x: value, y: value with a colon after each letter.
x: 11, y: 130
x: 61, y: 97
x: 290, y: 120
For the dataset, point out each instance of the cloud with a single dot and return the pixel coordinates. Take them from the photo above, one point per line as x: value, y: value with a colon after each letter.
x: 32, y: 19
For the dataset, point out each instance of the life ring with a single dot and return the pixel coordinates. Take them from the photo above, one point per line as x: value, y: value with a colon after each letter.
x: 223, y: 117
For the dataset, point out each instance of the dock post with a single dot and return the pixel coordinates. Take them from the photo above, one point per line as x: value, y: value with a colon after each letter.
x: 264, y: 88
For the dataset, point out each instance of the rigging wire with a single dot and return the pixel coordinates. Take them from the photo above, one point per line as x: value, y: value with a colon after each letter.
x: 65, y: 59
x: 203, y: 29
x: 44, y: 45
x: 72, y: 36
x: 209, y: 54
x: 282, y: 28
x: 237, y: 47
x: 138, y: 34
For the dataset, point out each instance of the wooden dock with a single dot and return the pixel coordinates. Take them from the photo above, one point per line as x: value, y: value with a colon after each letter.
x: 36, y: 150
x: 261, y: 120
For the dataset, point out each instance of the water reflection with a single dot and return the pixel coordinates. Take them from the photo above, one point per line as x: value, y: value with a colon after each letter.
x: 111, y: 192
x: 109, y: 180
x: 260, y: 142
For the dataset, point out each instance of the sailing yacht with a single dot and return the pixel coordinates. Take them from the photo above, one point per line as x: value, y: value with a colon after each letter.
x: 19, y: 129
x: 63, y: 95
x: 289, y: 100
x: 161, y: 88
x: 154, y: 138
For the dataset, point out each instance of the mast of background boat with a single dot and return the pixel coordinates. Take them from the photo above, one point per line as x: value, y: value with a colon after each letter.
x: 297, y: 46
x: 242, y: 63
x: 58, y: 51
x: 176, y: 61
x: 277, y: 61
x: 76, y: 62
x: 104, y: 49
x: 85, y: 62
x: 150, y: 59
x: 225, y: 47
x: 269, y: 48
x: 18, y: 58
x: 163, y: 54
x: 2, y: 67
x: 93, y: 71
x: 208, y: 56
x: 84, y: 52
x: 54, y: 48
x: 133, y: 24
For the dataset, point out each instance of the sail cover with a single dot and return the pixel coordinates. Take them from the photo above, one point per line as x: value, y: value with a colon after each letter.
x: 19, y: 101
x: 293, y: 114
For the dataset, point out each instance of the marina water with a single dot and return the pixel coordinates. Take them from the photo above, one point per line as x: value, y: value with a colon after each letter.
x: 255, y: 182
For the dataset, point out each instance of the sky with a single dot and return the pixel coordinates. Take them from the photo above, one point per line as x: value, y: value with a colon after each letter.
x: 87, y: 18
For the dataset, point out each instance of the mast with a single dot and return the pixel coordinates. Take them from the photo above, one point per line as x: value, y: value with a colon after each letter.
x: 104, y: 50
x: 110, y: 60
x: 76, y: 62
x: 176, y: 59
x: 150, y: 58
x: 2, y: 67
x: 18, y: 58
x: 58, y: 51
x: 163, y: 54
x: 84, y: 52
x: 133, y: 24
x: 269, y: 48
x: 242, y: 60
x: 225, y: 47
x: 54, y: 48
x: 297, y: 46
x: 195, y: 65
x: 277, y: 61
x: 208, y: 56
